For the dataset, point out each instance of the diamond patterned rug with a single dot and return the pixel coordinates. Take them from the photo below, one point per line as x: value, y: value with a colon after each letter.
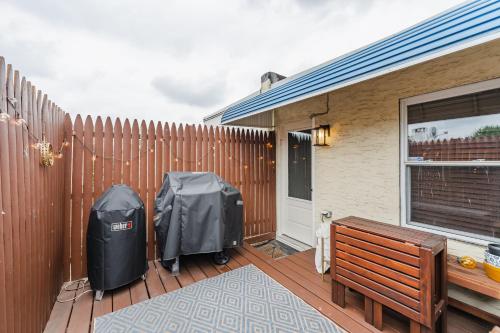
x: 243, y: 300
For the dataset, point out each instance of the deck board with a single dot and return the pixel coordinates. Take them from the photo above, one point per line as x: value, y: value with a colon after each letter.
x: 295, y: 272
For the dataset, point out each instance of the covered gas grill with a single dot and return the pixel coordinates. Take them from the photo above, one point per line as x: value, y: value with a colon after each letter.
x: 116, y: 240
x: 197, y: 213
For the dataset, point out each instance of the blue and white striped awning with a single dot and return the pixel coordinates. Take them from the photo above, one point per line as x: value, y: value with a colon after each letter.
x: 471, y: 23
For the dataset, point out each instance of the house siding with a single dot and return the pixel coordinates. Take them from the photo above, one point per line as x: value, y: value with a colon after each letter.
x: 359, y: 173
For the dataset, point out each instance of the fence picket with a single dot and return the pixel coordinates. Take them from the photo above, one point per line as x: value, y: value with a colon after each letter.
x: 99, y: 161
x: 127, y: 136
x: 205, y: 150
x: 13, y: 148
x: 117, y: 156
x: 150, y: 189
x: 28, y: 159
x: 223, y: 153
x: 68, y: 150
x: 199, y: 149
x: 143, y: 162
x: 134, y: 157
x: 173, y: 138
x: 211, y: 150
x: 166, y: 149
x: 180, y: 148
x: 19, y: 128
x: 108, y: 153
x: 37, y: 129
x: 186, y: 155
x: 217, y: 152
x: 77, y: 189
x: 6, y: 212
x: 89, y: 159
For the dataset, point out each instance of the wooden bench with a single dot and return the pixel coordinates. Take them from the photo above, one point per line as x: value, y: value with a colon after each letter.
x: 400, y: 268
x: 476, y: 293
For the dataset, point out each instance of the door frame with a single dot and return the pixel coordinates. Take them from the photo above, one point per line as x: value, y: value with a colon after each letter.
x: 281, y: 181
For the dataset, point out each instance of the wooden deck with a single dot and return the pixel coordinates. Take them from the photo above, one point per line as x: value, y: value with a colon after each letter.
x: 295, y: 272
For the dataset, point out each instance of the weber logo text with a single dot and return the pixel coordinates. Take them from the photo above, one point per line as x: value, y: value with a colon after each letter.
x: 120, y: 226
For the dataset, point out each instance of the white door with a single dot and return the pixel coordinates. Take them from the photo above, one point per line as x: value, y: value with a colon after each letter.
x: 296, y: 166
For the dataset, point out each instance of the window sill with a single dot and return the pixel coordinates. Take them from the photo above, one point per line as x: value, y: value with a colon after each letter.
x: 450, y: 235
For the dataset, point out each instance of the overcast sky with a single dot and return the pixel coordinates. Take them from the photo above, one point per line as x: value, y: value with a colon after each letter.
x: 181, y: 60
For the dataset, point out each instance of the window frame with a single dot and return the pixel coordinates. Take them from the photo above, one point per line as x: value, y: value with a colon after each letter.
x: 405, y: 163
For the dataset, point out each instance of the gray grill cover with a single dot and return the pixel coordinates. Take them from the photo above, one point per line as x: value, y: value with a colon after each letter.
x: 197, y: 213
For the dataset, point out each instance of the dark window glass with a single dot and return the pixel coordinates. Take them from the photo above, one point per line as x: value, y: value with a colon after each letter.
x: 299, y: 165
x: 460, y: 198
x: 463, y: 128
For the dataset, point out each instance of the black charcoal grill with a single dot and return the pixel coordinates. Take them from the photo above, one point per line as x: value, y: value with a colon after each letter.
x: 116, y: 240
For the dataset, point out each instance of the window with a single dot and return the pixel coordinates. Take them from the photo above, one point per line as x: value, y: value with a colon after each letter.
x: 451, y: 163
x: 299, y: 165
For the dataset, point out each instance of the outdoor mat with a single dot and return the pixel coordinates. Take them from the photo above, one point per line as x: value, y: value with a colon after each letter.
x: 243, y: 300
x: 275, y: 249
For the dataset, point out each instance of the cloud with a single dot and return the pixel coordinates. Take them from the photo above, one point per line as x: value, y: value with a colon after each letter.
x: 34, y: 56
x: 180, y: 60
x: 206, y: 93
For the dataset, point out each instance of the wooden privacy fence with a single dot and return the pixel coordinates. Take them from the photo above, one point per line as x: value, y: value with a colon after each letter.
x: 461, y: 149
x: 138, y: 154
x: 31, y: 202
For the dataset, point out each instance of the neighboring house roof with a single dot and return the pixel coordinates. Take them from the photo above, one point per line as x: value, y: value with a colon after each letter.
x: 468, y: 24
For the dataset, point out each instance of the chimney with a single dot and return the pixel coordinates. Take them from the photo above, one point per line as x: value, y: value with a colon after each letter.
x: 267, y: 79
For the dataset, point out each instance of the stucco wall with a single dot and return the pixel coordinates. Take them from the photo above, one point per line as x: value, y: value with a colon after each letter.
x: 359, y: 173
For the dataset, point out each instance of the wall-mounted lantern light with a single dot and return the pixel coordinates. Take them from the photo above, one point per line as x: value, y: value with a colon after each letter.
x: 320, y: 134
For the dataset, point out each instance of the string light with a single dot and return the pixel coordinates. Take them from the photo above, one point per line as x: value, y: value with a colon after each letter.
x: 139, y: 155
x: 20, y: 121
x: 94, y: 157
x: 4, y: 117
x: 127, y: 163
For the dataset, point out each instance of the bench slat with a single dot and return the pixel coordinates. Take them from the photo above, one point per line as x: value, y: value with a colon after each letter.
x: 387, y: 242
x: 399, y: 266
x: 382, y: 270
x: 387, y: 301
x: 402, y: 288
x: 406, y: 258
x: 391, y: 293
